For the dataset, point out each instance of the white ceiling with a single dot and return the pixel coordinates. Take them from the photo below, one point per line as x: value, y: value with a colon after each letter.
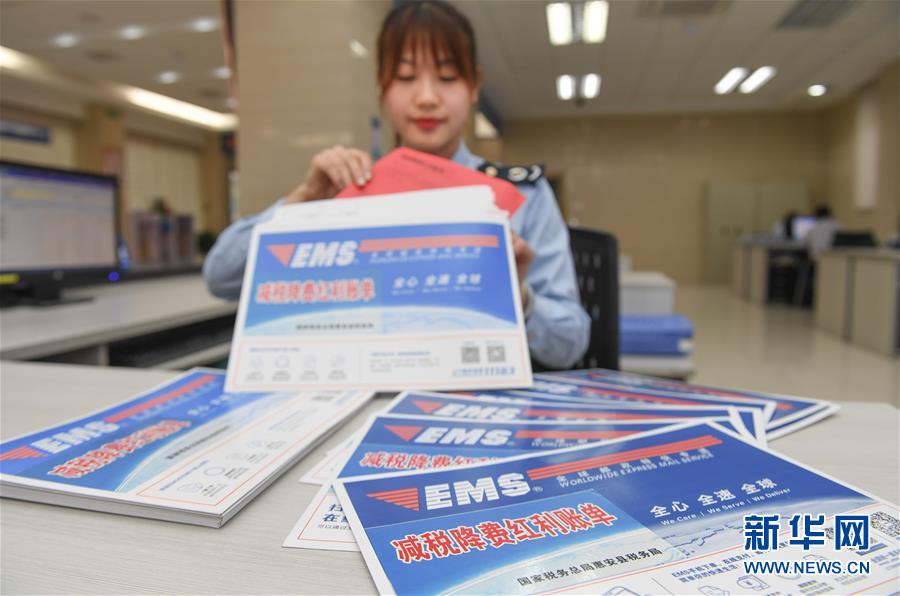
x: 29, y: 26
x: 648, y: 63
x: 670, y: 64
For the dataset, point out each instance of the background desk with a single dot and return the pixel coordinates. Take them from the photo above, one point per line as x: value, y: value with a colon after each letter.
x: 84, y: 332
x: 858, y: 297
x: 755, y: 259
x: 48, y: 549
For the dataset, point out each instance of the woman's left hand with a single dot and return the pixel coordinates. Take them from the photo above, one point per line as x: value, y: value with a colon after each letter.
x: 524, y: 257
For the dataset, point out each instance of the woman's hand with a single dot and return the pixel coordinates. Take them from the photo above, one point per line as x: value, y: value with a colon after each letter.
x: 524, y: 257
x: 331, y: 171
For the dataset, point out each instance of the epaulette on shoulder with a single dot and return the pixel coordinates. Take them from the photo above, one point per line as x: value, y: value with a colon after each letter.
x: 515, y: 174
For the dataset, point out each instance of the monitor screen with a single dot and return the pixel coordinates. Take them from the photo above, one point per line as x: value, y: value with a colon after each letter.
x: 802, y: 225
x: 53, y: 220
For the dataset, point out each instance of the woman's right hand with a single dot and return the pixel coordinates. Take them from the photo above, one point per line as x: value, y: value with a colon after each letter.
x: 331, y: 171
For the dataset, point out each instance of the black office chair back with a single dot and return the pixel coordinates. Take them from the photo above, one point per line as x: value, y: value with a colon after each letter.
x: 596, y: 256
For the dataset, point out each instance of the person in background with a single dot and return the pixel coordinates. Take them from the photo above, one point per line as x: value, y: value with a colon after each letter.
x: 786, y: 228
x: 429, y: 81
x: 821, y: 235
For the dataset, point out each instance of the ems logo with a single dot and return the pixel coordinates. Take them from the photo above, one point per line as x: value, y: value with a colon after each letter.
x: 459, y: 493
x: 404, y: 432
x: 446, y: 435
x: 24, y: 452
x: 427, y: 406
x: 314, y: 254
x: 403, y: 497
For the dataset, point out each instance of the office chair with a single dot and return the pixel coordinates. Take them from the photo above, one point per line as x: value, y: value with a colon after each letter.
x: 845, y: 239
x: 596, y: 256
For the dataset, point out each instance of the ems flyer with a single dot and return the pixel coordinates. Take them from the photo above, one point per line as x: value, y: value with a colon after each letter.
x: 677, y: 510
x: 184, y: 451
x: 392, y: 443
x: 417, y: 290
x: 420, y: 403
x: 565, y: 387
x: 790, y: 412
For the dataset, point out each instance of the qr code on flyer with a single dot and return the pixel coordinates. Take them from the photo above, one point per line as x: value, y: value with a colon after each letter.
x: 885, y: 523
x: 470, y: 354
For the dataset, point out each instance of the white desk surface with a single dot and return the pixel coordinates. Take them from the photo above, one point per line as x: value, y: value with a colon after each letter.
x: 116, y: 312
x: 46, y: 549
x: 645, y: 279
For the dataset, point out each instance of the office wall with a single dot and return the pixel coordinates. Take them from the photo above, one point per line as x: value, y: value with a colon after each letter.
x: 156, y: 169
x: 59, y: 152
x: 842, y: 125
x: 159, y: 157
x: 301, y: 89
x: 642, y: 178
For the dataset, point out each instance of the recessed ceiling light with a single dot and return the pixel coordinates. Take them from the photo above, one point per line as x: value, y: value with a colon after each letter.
x: 559, y: 23
x: 132, y: 32
x: 817, y: 90
x: 596, y: 14
x: 358, y: 49
x: 66, y: 40
x: 565, y: 87
x: 760, y: 77
x: 168, y: 77
x: 223, y: 72
x: 205, y: 24
x: 731, y: 79
x: 590, y: 86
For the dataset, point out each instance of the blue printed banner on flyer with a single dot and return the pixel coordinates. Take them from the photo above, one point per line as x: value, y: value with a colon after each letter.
x: 381, y: 307
x: 396, y: 443
x: 185, y: 447
x: 568, y: 518
x: 519, y: 408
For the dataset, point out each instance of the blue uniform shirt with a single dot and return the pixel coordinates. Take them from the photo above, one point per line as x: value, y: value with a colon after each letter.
x: 557, y: 326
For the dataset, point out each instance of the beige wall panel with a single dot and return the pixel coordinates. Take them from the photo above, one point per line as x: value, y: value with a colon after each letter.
x: 156, y: 169
x: 643, y: 178
x: 884, y: 218
x: 301, y: 88
x: 60, y: 152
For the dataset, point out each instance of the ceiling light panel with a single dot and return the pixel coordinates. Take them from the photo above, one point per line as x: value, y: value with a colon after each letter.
x: 590, y: 86
x: 565, y: 87
x: 760, y: 77
x: 596, y: 15
x: 132, y: 32
x: 731, y: 80
x: 168, y: 77
x: 205, y: 24
x: 559, y: 23
x: 66, y: 40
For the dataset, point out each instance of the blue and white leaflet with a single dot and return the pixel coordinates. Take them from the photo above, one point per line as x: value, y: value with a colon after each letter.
x: 790, y: 412
x: 184, y: 451
x: 593, y: 518
x: 745, y: 421
x: 567, y: 386
x: 391, y: 443
x: 416, y: 290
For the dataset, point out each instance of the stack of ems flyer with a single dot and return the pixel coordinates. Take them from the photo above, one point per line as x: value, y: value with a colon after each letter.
x: 506, y: 482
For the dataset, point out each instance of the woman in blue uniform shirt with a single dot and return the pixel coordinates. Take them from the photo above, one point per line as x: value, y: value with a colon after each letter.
x: 429, y: 81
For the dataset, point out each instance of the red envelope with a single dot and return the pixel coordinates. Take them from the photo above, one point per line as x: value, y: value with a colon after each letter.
x: 405, y: 170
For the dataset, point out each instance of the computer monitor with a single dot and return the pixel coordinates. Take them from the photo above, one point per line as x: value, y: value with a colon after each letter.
x: 802, y: 225
x: 57, y: 228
